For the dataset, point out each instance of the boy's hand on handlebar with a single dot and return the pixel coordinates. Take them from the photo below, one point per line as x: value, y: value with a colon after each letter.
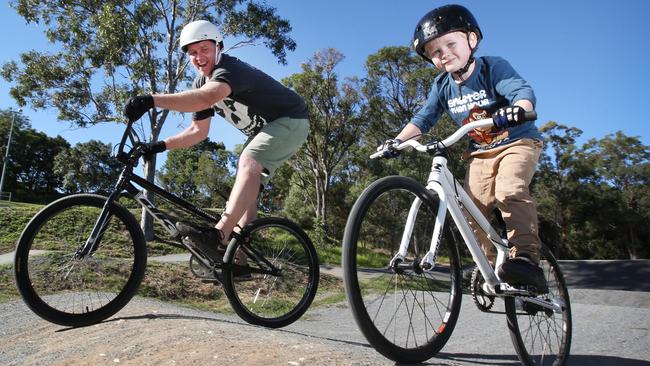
x: 137, y: 106
x: 509, y: 116
x: 389, y: 148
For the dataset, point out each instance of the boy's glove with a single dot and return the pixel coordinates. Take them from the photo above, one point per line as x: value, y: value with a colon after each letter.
x: 390, y: 148
x: 508, y: 116
x: 138, y: 106
x: 148, y: 149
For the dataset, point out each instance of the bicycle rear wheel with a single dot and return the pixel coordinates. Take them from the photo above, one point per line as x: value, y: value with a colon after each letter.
x: 64, y: 288
x: 406, y: 313
x: 272, y: 272
x: 541, y: 336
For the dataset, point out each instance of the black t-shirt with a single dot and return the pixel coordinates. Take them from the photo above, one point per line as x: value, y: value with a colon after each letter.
x: 256, y: 98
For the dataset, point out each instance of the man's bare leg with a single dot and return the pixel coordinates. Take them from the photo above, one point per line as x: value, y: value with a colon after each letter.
x: 242, y: 203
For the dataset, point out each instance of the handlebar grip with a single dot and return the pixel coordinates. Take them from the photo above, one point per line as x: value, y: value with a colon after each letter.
x: 502, y: 122
x: 530, y: 116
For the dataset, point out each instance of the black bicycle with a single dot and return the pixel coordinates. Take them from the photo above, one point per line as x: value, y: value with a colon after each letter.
x: 86, y: 270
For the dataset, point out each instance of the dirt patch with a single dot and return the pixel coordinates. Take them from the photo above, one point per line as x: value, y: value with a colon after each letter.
x: 149, y: 332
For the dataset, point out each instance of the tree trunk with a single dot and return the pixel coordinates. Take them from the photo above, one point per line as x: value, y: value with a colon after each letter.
x: 146, y: 222
x: 631, y: 243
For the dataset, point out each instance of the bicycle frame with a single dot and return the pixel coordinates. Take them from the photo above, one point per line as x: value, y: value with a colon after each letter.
x: 453, y: 198
x: 125, y: 183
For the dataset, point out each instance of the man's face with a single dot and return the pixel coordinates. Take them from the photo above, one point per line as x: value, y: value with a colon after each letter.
x: 202, y: 56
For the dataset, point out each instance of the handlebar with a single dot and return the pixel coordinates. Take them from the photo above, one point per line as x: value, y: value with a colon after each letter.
x: 462, y: 131
x: 133, y: 139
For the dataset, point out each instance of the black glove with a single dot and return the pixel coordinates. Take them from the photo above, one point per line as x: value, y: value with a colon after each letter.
x: 390, y: 148
x: 508, y: 116
x: 150, y: 148
x: 138, y: 106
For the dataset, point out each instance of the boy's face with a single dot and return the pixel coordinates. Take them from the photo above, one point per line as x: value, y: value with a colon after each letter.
x: 202, y: 56
x: 451, y: 51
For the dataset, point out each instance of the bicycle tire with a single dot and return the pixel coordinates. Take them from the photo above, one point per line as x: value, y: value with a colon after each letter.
x: 542, y: 337
x: 425, y: 305
x: 271, y: 300
x: 78, y: 292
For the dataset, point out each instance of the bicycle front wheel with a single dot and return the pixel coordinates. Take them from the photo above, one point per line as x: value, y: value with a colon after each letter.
x: 542, y: 336
x: 272, y: 272
x: 59, y: 284
x: 406, y: 312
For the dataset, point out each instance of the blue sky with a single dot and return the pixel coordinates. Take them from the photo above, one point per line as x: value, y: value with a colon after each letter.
x: 586, y: 60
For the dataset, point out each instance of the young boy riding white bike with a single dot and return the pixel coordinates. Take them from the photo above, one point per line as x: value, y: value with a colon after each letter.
x: 272, y: 116
x: 502, y: 161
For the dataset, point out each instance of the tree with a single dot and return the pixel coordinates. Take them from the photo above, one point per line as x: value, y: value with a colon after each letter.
x: 110, y: 50
x: 30, y: 169
x: 200, y: 174
x: 558, y: 186
x: 397, y: 85
x: 87, y: 167
x: 623, y: 164
x: 335, y: 127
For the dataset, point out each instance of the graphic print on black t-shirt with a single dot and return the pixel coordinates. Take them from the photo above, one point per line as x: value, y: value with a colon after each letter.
x: 255, y: 99
x: 237, y: 114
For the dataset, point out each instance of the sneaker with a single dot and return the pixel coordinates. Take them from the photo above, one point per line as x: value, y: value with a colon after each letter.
x: 206, y: 240
x: 242, y: 274
x: 521, y: 270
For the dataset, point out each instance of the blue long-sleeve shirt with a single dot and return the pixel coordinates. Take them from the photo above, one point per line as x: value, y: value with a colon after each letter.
x: 492, y: 85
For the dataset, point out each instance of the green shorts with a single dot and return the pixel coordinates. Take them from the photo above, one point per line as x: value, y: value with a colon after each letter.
x: 278, y: 141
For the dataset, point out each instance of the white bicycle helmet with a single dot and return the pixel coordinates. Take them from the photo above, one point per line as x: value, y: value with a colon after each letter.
x: 197, y: 31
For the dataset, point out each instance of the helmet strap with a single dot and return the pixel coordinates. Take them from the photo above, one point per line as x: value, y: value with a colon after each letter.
x: 464, y: 69
x: 217, y: 56
x: 460, y: 72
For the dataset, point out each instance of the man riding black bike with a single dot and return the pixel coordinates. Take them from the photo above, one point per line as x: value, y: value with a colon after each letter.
x: 273, y: 117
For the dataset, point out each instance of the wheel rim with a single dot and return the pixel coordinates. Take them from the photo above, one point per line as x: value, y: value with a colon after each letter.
x: 401, y: 307
x: 72, y: 285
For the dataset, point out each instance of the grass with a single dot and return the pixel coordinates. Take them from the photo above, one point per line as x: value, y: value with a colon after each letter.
x: 170, y: 282
x: 13, y: 220
x: 8, y: 290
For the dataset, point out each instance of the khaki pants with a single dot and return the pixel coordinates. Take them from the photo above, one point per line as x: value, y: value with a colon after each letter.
x: 500, y: 178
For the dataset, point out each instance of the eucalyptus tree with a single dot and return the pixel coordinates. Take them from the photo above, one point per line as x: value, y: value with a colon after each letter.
x: 334, y: 107
x: 623, y: 164
x: 87, y: 167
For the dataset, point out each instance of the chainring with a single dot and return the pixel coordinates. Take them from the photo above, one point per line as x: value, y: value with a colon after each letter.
x: 483, y: 301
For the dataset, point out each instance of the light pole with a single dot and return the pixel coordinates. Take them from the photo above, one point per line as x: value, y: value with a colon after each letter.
x: 4, y: 164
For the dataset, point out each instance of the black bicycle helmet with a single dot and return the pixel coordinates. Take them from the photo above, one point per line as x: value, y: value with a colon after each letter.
x: 440, y: 21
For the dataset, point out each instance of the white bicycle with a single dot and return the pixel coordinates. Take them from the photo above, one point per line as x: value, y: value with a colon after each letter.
x: 402, y: 268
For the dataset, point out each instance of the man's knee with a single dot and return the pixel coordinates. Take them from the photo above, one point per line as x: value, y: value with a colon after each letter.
x: 248, y: 165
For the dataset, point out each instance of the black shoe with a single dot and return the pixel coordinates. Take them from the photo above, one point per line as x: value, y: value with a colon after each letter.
x: 206, y: 240
x: 521, y: 270
x: 241, y: 274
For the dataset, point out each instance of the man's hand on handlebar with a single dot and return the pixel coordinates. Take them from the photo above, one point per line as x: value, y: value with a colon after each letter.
x: 149, y: 149
x: 509, y: 116
x: 137, y: 106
